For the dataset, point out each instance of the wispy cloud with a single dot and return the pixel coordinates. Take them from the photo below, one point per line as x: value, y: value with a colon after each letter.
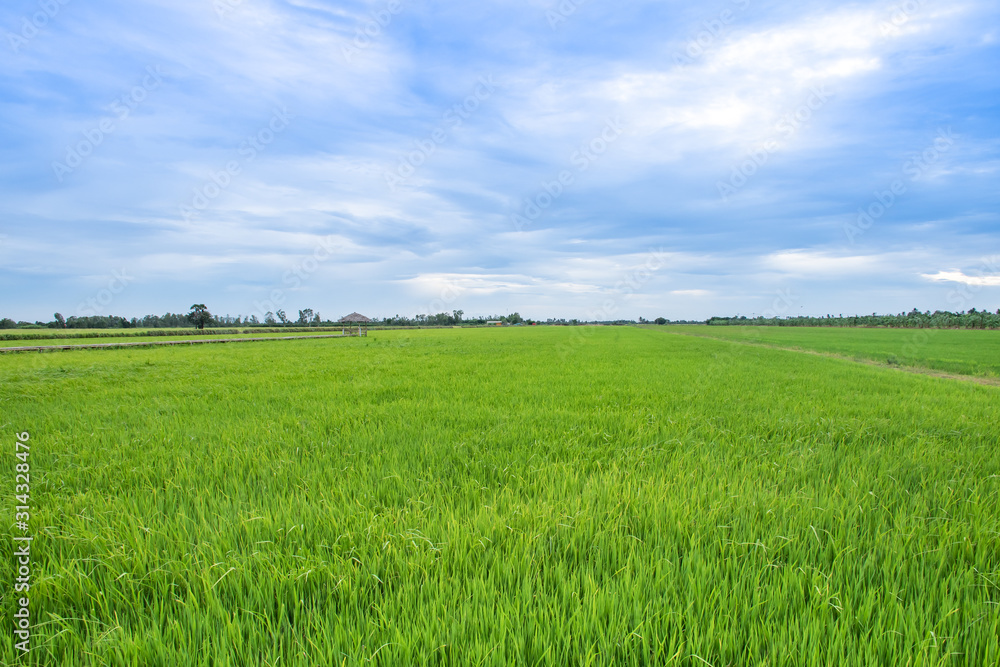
x: 838, y: 97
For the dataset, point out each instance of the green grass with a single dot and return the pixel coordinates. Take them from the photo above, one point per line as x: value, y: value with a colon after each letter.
x: 963, y: 351
x: 160, y: 337
x: 545, y: 496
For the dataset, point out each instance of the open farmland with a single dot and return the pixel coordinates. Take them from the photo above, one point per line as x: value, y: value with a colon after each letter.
x: 536, y: 496
x: 964, y: 351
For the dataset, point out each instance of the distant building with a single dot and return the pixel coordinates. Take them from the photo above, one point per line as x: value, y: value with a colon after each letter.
x: 494, y: 323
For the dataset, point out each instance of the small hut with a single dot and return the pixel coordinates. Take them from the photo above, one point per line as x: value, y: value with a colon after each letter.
x: 349, y: 321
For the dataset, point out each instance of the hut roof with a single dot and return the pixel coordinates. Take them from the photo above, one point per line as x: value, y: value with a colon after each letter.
x: 354, y: 317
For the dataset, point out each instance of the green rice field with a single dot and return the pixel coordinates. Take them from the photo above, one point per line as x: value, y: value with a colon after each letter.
x: 963, y: 351
x: 506, y: 496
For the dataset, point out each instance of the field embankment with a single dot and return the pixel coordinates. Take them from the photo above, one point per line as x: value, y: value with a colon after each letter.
x: 963, y: 351
x: 57, y: 345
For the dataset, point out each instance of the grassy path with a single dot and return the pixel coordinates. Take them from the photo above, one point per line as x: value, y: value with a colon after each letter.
x: 919, y: 370
x: 966, y: 352
x: 152, y: 343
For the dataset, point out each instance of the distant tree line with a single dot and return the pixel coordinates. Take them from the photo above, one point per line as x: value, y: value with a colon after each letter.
x: 454, y: 318
x: 939, y: 319
x: 173, y: 320
x: 200, y: 317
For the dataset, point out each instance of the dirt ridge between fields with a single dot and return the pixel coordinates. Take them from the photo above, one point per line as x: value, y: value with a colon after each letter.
x: 154, y: 343
x: 917, y: 370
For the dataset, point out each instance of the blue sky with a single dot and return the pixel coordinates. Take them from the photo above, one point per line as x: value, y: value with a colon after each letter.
x: 562, y: 159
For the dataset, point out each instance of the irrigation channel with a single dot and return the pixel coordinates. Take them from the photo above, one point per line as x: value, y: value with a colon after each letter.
x: 199, y: 341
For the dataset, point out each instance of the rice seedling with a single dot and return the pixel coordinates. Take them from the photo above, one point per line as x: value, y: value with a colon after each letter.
x: 472, y: 497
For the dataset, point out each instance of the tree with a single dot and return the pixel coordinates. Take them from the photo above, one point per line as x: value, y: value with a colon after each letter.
x: 458, y: 315
x: 61, y: 320
x: 199, y: 315
x: 282, y: 317
x: 305, y: 316
x: 660, y: 320
x: 514, y: 318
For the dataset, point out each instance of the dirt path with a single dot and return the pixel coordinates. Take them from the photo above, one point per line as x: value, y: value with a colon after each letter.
x: 198, y: 341
x: 918, y: 370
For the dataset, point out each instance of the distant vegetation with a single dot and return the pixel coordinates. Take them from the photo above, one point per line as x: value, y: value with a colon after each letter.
x: 200, y: 317
x: 971, y: 319
x: 939, y: 319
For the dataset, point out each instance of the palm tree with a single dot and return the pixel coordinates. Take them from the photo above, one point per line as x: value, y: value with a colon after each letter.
x: 199, y: 315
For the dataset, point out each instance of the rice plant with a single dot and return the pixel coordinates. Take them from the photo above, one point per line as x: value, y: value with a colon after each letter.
x: 475, y: 497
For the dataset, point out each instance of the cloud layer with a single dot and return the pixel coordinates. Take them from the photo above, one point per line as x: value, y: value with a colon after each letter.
x: 396, y: 156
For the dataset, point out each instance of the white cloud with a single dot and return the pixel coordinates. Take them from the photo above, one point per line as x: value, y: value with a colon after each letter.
x: 819, y: 263
x: 956, y: 276
x: 449, y: 223
x: 744, y: 90
x: 487, y: 284
x: 734, y: 89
